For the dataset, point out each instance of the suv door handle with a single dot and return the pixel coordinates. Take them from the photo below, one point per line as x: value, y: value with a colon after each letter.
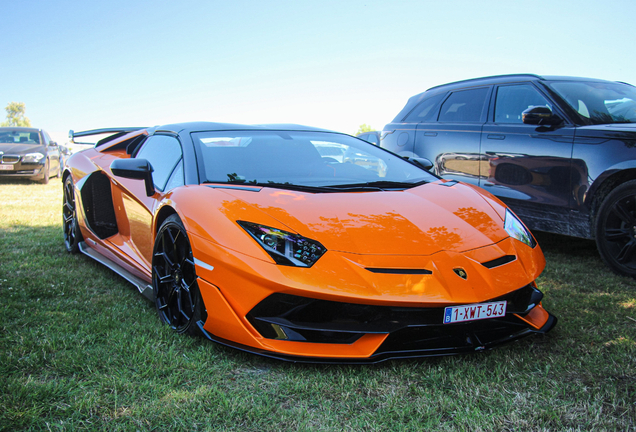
x: 496, y: 136
x: 430, y: 133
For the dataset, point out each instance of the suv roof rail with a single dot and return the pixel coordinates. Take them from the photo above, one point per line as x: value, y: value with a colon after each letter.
x: 488, y: 77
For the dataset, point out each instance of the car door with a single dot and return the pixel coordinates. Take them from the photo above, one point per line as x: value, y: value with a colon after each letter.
x: 528, y: 166
x: 164, y: 153
x: 451, y: 138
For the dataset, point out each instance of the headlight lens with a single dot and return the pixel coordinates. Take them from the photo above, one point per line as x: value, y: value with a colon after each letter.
x: 284, y: 247
x: 516, y: 229
x: 32, y: 157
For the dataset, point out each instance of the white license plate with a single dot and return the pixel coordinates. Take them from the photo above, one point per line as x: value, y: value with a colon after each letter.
x: 6, y: 167
x: 473, y: 312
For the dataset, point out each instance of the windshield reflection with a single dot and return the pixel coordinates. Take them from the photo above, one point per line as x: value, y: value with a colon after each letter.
x: 311, y: 159
x: 599, y: 102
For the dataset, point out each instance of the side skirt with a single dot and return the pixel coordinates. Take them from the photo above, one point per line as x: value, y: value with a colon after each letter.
x: 143, y: 287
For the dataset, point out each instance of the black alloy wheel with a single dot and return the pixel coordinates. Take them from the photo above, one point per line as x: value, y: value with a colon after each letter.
x: 72, y: 234
x: 616, y: 229
x: 174, y: 279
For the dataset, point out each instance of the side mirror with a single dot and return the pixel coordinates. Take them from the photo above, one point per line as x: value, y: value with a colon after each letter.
x: 135, y: 169
x: 52, y: 144
x: 420, y: 162
x: 540, y: 115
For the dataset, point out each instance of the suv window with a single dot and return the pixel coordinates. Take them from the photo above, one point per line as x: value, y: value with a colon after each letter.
x: 464, y: 106
x: 512, y: 100
x: 164, y: 153
x: 425, y: 110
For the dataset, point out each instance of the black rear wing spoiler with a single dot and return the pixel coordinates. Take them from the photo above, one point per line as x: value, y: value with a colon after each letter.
x: 112, y: 132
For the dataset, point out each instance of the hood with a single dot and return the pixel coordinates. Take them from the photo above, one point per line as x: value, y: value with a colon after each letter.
x: 620, y: 131
x: 21, y: 149
x: 418, y: 221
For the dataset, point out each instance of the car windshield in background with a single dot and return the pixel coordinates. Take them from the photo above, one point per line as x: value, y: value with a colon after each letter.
x: 19, y: 137
x: 309, y: 159
x: 599, y: 102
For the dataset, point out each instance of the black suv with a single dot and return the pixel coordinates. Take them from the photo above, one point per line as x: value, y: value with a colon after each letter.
x: 560, y: 151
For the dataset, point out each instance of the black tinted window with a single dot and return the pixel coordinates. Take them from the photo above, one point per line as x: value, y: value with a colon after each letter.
x: 515, y: 99
x: 464, y: 106
x: 426, y: 110
x: 164, y: 153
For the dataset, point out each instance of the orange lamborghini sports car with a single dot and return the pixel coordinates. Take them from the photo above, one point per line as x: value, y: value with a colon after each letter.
x: 303, y: 244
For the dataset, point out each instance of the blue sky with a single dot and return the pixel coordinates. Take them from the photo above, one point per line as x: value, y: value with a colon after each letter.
x: 333, y: 64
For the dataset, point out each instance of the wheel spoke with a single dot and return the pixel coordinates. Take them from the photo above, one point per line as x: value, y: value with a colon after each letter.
x: 166, y: 279
x: 627, y: 252
x: 167, y: 260
x: 616, y: 234
x: 185, y: 295
x: 623, y: 213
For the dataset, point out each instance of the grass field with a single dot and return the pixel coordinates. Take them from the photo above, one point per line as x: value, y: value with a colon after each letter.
x: 80, y: 349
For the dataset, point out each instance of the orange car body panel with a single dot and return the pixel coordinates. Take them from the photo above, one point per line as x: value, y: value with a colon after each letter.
x: 423, y: 227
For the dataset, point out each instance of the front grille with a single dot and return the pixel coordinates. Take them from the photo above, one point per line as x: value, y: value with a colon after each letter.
x: 10, y: 159
x: 285, y: 316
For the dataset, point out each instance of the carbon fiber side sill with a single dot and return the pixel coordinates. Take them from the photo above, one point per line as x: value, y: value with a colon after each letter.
x: 144, y: 288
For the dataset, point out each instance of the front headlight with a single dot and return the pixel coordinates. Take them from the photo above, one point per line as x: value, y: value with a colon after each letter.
x: 32, y: 157
x: 516, y: 229
x: 284, y: 247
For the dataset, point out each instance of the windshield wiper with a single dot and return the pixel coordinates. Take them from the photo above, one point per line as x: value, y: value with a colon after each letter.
x: 290, y: 186
x: 380, y: 185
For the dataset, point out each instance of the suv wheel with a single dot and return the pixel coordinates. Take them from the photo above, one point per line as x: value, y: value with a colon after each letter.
x: 616, y: 229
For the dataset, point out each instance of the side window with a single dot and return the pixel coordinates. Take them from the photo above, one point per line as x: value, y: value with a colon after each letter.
x: 426, y: 110
x: 176, y: 179
x: 515, y: 99
x: 464, y: 106
x: 164, y: 153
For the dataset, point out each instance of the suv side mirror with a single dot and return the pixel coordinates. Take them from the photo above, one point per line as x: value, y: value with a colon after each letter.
x: 420, y: 162
x: 135, y: 169
x: 540, y: 115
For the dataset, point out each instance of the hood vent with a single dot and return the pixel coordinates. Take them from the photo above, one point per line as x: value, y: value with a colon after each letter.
x: 399, y: 271
x: 499, y: 261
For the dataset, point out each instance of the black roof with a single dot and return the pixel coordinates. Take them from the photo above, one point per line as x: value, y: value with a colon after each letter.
x: 513, y: 78
x: 488, y: 80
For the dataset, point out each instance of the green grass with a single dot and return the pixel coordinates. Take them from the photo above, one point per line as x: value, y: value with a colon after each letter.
x: 80, y: 349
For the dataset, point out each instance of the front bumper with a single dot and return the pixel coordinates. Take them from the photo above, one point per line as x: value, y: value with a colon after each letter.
x: 346, y: 311
x: 32, y: 171
x: 305, y: 330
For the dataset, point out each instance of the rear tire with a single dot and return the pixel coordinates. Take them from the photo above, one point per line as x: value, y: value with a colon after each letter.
x: 616, y: 229
x: 174, y: 279
x: 72, y: 234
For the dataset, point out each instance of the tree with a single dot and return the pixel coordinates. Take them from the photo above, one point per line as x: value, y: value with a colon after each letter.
x: 15, y: 115
x: 364, y: 128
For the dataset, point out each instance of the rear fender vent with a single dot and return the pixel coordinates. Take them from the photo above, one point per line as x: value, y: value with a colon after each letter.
x: 499, y: 261
x: 399, y: 271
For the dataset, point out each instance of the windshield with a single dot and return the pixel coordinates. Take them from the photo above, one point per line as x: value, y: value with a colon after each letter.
x: 19, y: 137
x: 599, y: 102
x: 315, y: 159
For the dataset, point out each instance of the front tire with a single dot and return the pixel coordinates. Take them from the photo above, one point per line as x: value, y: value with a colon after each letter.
x: 174, y: 279
x: 616, y: 229
x: 47, y: 174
